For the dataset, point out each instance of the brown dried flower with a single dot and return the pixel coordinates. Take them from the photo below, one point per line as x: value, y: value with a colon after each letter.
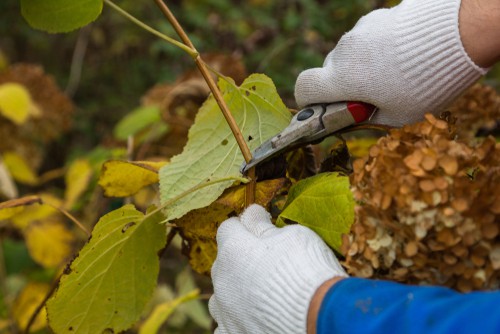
x: 429, y: 209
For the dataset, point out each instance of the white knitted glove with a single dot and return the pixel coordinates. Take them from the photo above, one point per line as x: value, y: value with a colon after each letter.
x: 407, y: 60
x: 264, y: 277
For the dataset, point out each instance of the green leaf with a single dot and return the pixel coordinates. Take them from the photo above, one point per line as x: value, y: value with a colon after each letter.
x: 212, y: 151
x: 324, y: 203
x: 137, y: 120
x: 113, y: 277
x: 57, y: 16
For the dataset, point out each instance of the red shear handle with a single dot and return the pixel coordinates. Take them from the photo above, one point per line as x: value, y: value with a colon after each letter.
x: 360, y: 111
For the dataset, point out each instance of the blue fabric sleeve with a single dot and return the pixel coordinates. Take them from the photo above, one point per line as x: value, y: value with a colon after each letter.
x: 356, y: 305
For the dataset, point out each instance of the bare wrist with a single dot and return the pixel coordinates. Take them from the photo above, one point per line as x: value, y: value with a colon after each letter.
x: 479, y: 24
x: 314, y: 307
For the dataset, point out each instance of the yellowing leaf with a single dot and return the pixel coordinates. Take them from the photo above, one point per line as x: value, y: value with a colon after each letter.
x: 323, y: 203
x: 77, y: 180
x: 9, y: 212
x: 212, y: 152
x: 360, y: 147
x: 162, y: 311
x: 264, y: 193
x: 202, y: 254
x: 114, y: 276
x: 26, y: 303
x: 49, y: 243
x: 33, y: 213
x: 198, y: 227
x: 125, y: 178
x: 15, y: 102
x: 19, y: 169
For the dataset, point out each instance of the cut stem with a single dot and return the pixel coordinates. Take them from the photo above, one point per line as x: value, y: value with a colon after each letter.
x: 70, y: 217
x: 202, y: 66
x: 210, y: 81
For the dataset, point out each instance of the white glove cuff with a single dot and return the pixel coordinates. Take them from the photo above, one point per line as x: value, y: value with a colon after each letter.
x: 430, y: 52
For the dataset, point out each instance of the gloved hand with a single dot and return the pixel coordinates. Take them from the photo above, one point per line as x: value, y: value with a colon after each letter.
x: 264, y: 277
x: 407, y: 60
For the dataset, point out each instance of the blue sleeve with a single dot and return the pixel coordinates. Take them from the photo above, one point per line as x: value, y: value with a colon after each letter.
x: 356, y: 305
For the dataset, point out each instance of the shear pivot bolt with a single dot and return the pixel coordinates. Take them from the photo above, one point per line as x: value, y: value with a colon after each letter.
x: 305, y: 114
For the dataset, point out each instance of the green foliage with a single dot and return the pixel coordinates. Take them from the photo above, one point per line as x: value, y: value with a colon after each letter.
x: 57, y: 16
x: 323, y: 203
x: 140, y: 119
x: 112, y: 279
x: 212, y: 152
x: 118, y: 63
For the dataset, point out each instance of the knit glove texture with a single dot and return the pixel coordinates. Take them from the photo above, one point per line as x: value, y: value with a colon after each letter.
x: 407, y: 60
x: 264, y: 277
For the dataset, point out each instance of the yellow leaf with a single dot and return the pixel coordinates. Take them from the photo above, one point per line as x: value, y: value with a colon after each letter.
x: 162, y: 311
x: 264, y: 193
x: 19, y: 169
x: 36, y: 212
x: 10, y: 212
x: 361, y: 146
x: 123, y: 178
x: 26, y: 303
x: 77, y: 180
x: 198, y: 227
x: 202, y: 255
x: 15, y: 102
x: 49, y: 242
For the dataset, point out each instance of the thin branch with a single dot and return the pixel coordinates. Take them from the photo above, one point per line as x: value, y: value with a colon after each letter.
x: 202, y: 66
x: 175, y: 24
x: 73, y: 219
x: 191, y: 51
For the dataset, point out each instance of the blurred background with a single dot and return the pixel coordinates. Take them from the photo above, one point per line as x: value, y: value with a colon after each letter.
x: 87, y: 81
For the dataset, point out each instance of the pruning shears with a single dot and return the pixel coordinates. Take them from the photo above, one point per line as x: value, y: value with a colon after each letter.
x: 311, y: 125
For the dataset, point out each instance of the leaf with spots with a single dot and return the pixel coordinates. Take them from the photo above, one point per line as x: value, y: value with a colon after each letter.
x: 108, y: 285
x: 323, y: 203
x: 212, y: 151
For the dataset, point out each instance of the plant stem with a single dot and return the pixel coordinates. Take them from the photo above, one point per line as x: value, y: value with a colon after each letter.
x: 202, y: 66
x: 210, y: 81
x: 73, y: 219
x: 191, y: 51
